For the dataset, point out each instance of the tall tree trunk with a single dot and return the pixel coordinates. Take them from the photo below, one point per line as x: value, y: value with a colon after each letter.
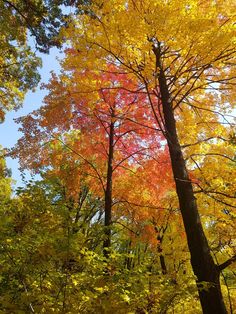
x: 203, y: 265
x: 108, y: 190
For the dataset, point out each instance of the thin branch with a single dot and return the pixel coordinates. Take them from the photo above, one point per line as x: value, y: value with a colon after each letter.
x: 140, y: 205
x: 127, y: 157
x: 212, y: 154
x: 120, y: 223
x: 204, y: 140
x: 86, y: 160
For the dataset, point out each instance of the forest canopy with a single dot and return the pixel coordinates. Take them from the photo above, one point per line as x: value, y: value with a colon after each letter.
x: 135, y: 208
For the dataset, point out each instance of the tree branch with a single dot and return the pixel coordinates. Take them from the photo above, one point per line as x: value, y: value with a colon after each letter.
x: 227, y: 263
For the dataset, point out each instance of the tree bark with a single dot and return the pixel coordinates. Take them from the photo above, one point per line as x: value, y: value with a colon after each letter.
x: 108, y: 190
x: 160, y: 250
x: 204, y: 268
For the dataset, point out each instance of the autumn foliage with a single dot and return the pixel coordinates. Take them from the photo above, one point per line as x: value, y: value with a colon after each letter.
x: 135, y: 145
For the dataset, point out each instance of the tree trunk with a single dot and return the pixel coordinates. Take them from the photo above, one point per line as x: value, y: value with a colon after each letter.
x: 108, y: 190
x: 204, y: 268
x: 160, y: 250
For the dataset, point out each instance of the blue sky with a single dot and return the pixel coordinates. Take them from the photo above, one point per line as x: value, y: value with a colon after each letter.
x: 9, y: 129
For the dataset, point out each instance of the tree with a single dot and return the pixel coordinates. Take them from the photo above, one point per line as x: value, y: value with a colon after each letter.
x: 52, y: 257
x: 43, y: 19
x: 184, y: 60
x: 43, y: 235
x: 18, y: 62
x: 5, y: 180
x: 100, y: 129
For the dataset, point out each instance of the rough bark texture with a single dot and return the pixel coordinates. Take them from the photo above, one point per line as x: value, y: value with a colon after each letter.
x: 108, y: 190
x: 202, y: 262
